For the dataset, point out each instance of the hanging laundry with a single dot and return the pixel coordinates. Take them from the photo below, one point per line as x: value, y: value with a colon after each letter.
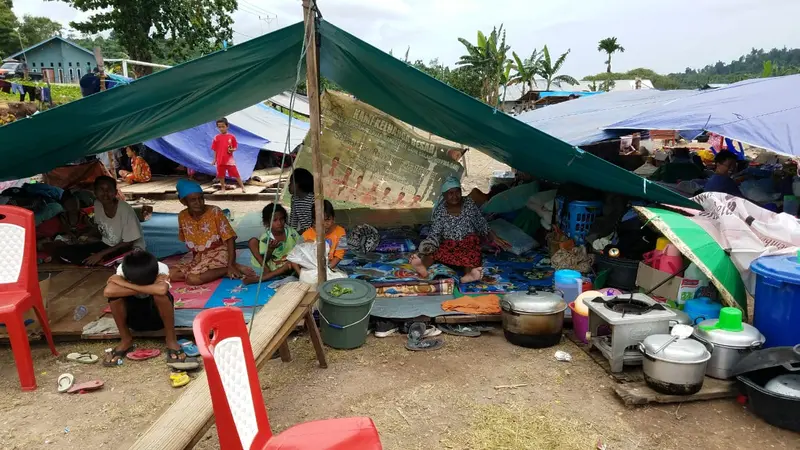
x: 17, y: 89
x: 30, y: 91
x: 46, y: 95
x: 5, y: 87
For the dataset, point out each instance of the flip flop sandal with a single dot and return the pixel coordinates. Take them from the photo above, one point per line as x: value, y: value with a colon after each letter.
x: 85, y: 358
x: 87, y: 386
x: 179, y: 379
x: 117, y: 356
x: 141, y: 354
x: 459, y: 330
x: 426, y: 345
x: 431, y: 331
x: 174, y: 361
x: 65, y: 381
x: 188, y: 347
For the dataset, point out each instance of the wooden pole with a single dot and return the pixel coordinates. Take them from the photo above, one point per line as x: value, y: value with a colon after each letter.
x: 98, y: 56
x: 312, y: 83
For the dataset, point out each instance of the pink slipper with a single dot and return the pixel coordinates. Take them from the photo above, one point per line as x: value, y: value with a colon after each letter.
x: 141, y: 354
x: 87, y: 386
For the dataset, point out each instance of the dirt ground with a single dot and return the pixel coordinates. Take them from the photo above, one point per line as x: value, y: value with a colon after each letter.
x: 446, y: 399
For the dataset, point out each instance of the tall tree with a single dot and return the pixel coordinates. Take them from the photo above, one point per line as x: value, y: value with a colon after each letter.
x: 9, y: 40
x: 549, y: 69
x: 609, y: 46
x: 526, y: 71
x: 36, y: 29
x: 160, y: 28
x: 488, y: 57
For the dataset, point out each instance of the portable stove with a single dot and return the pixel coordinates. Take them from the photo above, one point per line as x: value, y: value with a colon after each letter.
x: 618, y: 324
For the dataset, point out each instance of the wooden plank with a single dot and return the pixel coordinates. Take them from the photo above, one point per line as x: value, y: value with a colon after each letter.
x: 188, y: 416
x: 640, y: 393
x: 629, y: 374
x: 64, y: 281
x: 179, y: 331
x: 248, y: 190
x: 469, y: 318
x: 56, y: 266
x: 61, y: 308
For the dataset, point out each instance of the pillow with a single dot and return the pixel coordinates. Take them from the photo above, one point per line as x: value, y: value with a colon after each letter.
x: 511, y: 238
x: 512, y: 199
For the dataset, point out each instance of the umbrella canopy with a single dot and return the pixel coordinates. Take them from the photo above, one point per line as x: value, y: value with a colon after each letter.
x: 700, y: 248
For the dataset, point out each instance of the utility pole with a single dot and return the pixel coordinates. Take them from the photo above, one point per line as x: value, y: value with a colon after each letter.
x: 312, y: 83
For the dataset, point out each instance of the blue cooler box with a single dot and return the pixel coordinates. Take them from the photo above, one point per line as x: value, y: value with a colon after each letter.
x: 777, y: 299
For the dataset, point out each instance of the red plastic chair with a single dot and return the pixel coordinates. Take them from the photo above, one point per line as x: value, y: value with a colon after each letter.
x: 19, y: 288
x: 239, y: 409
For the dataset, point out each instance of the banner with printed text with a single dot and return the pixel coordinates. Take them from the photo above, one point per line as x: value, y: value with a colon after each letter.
x: 371, y: 159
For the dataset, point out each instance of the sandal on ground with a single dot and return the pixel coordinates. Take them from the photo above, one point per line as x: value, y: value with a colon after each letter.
x: 174, y: 360
x: 179, y: 379
x: 459, y: 330
x: 416, y: 333
x: 85, y: 358
x: 87, y: 386
x: 65, y: 381
x: 189, y: 347
x: 141, y: 354
x: 116, y: 356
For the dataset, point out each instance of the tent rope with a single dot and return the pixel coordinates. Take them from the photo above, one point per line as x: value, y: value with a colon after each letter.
x: 286, y: 151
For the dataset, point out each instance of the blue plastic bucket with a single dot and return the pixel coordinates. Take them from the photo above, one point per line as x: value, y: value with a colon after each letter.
x: 777, y: 299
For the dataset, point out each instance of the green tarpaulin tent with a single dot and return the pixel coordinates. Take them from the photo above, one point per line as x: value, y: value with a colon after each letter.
x: 230, y: 80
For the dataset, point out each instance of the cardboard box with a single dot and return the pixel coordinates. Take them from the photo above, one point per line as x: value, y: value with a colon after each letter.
x: 648, y: 277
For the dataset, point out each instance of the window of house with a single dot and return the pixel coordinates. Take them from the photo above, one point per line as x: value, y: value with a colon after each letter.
x: 59, y: 64
x: 60, y: 75
x: 79, y: 73
x: 51, y: 64
x: 71, y: 74
x: 33, y: 64
x: 70, y: 64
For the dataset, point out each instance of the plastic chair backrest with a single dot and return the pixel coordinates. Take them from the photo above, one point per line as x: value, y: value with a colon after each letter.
x: 221, y: 336
x: 18, y: 270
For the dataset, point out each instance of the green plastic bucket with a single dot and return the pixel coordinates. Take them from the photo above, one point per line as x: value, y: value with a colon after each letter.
x: 344, y: 320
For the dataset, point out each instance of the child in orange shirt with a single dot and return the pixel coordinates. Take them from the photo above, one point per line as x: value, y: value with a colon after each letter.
x: 223, y: 145
x: 335, y: 236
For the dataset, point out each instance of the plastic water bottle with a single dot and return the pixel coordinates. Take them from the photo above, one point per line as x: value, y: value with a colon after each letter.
x: 570, y: 283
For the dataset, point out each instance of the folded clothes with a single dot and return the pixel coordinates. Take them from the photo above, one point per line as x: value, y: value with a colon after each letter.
x: 484, y: 304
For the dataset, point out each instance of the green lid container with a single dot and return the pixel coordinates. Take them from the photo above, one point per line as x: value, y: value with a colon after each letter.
x: 344, y: 320
x: 730, y: 319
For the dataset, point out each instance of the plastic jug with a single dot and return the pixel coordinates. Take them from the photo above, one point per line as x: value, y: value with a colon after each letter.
x: 570, y: 283
x: 671, y: 261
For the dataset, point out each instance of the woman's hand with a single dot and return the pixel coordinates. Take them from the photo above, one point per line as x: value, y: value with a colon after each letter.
x: 234, y: 272
x: 94, y: 259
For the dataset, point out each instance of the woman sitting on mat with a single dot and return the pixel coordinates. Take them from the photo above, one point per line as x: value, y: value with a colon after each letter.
x: 209, y: 237
x: 270, y: 250
x: 119, y: 227
x: 455, y: 236
x: 140, y: 170
x: 301, y: 187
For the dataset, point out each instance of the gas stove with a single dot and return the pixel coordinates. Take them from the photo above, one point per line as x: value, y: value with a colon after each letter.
x: 618, y: 324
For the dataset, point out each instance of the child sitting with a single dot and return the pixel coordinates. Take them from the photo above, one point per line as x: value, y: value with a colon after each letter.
x: 208, y: 235
x: 140, y: 170
x: 335, y: 235
x: 270, y: 250
x: 140, y: 300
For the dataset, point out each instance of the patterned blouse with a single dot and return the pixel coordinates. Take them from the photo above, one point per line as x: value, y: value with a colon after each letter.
x: 211, y: 230
x: 448, y: 227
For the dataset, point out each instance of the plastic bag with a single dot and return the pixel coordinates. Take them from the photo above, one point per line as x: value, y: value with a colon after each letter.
x: 305, y: 255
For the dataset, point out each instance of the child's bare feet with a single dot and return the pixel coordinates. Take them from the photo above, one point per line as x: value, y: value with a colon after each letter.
x: 473, y: 275
x: 418, y: 265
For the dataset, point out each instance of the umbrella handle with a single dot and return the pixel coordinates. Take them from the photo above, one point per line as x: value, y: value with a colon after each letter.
x: 666, y: 280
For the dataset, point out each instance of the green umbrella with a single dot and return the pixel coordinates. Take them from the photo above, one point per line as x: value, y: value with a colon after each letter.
x: 697, y: 245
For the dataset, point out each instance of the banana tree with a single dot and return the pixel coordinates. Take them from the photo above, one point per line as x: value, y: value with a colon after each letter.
x: 488, y: 57
x: 549, y: 69
x: 526, y: 71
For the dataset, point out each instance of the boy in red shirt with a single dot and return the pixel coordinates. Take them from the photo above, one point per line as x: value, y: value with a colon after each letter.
x: 224, y: 145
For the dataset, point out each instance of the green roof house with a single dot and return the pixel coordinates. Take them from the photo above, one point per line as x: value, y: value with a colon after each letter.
x: 58, y: 59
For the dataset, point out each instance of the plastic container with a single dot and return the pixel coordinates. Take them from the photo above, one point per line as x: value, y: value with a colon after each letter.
x: 671, y: 261
x: 580, y: 323
x: 578, y: 218
x: 791, y: 204
x: 777, y: 299
x: 570, y: 283
x: 621, y: 272
x: 661, y: 243
x: 344, y: 319
x: 702, y: 308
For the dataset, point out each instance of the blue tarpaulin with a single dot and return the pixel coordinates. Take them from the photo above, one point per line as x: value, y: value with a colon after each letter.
x: 256, y: 128
x: 763, y: 112
x: 581, y: 121
x: 567, y: 93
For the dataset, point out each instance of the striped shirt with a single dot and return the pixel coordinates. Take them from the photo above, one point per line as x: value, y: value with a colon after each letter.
x: 300, y: 216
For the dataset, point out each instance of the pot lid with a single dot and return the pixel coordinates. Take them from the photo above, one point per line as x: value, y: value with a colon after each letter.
x: 682, y: 350
x: 767, y: 359
x: 347, y: 292
x: 533, y: 302
x: 787, y: 384
x: 749, y: 336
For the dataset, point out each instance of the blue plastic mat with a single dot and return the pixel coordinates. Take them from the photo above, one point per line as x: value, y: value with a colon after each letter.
x: 509, y: 273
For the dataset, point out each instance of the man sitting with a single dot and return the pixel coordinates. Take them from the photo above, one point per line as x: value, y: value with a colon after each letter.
x: 140, y: 300
x: 209, y: 236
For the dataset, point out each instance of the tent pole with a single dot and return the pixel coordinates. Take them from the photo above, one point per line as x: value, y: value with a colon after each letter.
x: 98, y: 56
x: 312, y: 84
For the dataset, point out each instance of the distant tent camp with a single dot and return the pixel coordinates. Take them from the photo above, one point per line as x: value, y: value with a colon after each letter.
x: 219, y: 84
x: 256, y: 128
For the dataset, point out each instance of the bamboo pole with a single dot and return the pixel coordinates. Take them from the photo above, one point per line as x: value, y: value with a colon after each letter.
x: 98, y: 56
x: 312, y: 83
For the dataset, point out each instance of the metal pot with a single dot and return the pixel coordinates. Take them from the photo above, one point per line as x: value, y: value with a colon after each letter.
x: 533, y: 319
x: 673, y: 367
x: 727, y: 347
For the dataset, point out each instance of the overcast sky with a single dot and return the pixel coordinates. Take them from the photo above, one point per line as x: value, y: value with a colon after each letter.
x: 666, y: 36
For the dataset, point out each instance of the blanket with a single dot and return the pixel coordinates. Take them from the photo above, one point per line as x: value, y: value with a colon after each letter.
x: 507, y: 272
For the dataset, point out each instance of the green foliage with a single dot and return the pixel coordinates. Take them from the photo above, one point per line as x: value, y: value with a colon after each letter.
x: 110, y: 46
x: 172, y: 29
x: 488, y: 57
x: 9, y: 40
x: 465, y: 79
x: 549, y: 69
x: 37, y: 29
x: 609, y: 46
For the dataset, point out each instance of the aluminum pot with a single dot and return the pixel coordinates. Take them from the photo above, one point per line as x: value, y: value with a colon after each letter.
x: 675, y: 367
x: 727, y: 347
x: 533, y: 319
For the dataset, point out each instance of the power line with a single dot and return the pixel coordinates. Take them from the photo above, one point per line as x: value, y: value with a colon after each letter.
x: 258, y: 8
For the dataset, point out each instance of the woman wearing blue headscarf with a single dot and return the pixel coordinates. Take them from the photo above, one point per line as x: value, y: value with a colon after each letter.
x: 456, y: 233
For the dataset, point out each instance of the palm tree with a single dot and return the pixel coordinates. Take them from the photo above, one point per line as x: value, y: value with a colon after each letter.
x: 609, y: 46
x: 526, y: 71
x: 488, y: 58
x: 549, y: 70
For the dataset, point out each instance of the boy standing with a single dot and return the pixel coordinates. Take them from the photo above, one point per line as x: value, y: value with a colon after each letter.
x: 223, y: 145
x: 140, y: 300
